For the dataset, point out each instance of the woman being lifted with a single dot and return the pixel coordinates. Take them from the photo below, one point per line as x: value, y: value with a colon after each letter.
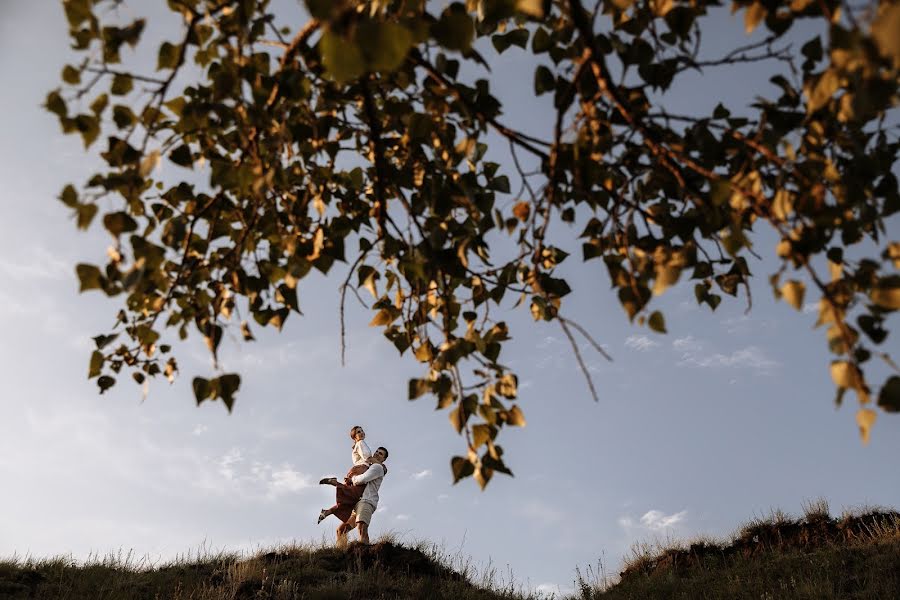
x: 347, y: 494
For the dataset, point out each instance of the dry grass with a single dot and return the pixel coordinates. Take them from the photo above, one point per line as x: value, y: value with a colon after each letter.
x: 385, y: 569
x: 856, y: 555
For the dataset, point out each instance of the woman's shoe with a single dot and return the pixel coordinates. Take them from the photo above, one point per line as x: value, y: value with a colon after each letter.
x: 322, y: 514
x: 328, y: 481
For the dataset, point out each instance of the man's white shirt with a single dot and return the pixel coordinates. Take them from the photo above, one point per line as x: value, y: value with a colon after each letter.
x: 373, y: 477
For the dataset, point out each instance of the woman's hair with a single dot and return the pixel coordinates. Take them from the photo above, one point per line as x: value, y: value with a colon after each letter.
x: 353, y: 431
x: 385, y: 451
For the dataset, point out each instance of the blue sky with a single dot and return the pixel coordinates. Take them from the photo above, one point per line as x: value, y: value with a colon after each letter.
x: 724, y: 418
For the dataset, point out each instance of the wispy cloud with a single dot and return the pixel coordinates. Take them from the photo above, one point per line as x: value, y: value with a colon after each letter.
x: 654, y: 520
x: 657, y: 520
x: 641, y: 343
x: 421, y: 474
x: 260, y: 479
x: 402, y: 517
x: 693, y: 353
x: 200, y: 430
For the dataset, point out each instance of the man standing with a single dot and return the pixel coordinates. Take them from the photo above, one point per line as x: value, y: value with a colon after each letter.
x: 362, y: 513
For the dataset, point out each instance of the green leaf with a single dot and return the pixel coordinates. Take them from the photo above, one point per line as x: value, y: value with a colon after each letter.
x: 85, y: 214
x: 118, y: 223
x: 201, y: 389
x: 71, y: 75
x: 122, y: 84
x: 889, y: 397
x: 657, y: 322
x: 101, y: 341
x: 228, y: 386
x: 181, y: 156
x: 55, y: 104
x: 455, y: 29
x: 544, y: 81
x: 541, y: 41
x: 168, y: 56
x: 89, y: 277
x: 384, y: 45
x: 105, y: 382
x: 342, y: 58
x: 96, y: 365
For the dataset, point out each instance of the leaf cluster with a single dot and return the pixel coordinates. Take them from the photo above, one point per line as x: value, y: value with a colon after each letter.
x: 358, y: 140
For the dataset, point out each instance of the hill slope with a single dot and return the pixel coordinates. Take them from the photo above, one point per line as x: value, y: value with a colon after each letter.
x: 816, y: 557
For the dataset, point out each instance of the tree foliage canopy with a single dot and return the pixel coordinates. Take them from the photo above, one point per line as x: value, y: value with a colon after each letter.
x: 360, y: 136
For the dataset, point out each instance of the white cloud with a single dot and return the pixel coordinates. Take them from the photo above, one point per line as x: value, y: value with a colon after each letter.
x: 421, y: 474
x: 260, y: 479
x: 656, y: 520
x: 811, y: 307
x: 443, y: 497
x: 402, y: 517
x: 693, y: 354
x: 284, y: 479
x: 687, y: 344
x: 641, y: 343
x: 200, y: 430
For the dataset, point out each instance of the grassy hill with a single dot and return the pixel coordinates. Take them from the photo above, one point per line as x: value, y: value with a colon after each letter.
x: 815, y: 557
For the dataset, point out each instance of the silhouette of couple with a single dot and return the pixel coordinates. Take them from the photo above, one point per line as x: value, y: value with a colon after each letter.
x: 356, y: 498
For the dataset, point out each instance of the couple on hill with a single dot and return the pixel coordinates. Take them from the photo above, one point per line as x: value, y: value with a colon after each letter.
x: 356, y: 498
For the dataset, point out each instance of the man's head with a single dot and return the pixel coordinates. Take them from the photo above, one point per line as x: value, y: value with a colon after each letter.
x: 380, y: 455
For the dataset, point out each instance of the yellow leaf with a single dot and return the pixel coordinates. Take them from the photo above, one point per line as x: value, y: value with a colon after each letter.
x: 384, y: 317
x: 755, y: 13
x: 423, y: 352
x: 865, y: 418
x: 483, y: 475
x: 481, y: 434
x: 318, y: 244
x: 793, y: 291
x: 843, y: 374
x: 665, y: 277
x: 825, y: 88
x: 661, y: 7
x: 458, y: 418
x: 783, y: 249
x: 885, y: 28
x: 507, y: 386
x: 532, y: 8
x: 783, y: 205
x: 148, y: 163
x: 826, y: 313
x: 836, y: 270
x: 893, y: 253
x: 521, y: 211
x: 515, y: 417
x: 888, y: 298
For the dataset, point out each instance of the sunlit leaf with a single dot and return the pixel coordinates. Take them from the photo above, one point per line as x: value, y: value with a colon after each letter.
x: 865, y: 418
